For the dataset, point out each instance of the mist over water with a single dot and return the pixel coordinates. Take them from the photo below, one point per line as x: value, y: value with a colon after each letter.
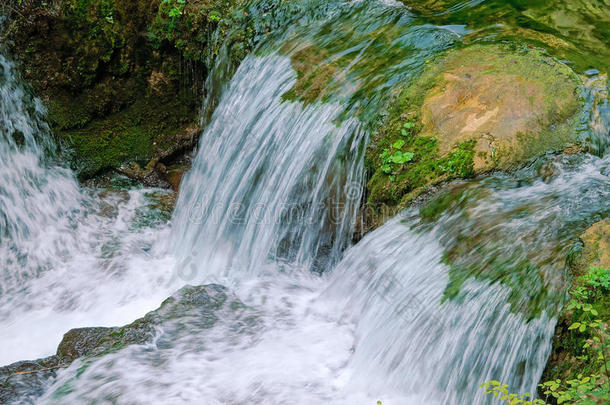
x: 269, y: 210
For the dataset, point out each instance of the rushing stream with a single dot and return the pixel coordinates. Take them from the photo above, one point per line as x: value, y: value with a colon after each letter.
x: 269, y: 210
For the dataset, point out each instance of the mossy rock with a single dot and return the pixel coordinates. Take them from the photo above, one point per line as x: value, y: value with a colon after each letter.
x: 514, y: 105
x: 596, y: 251
x: 316, y: 70
x: 122, y: 80
x: 568, y: 359
x: 473, y: 110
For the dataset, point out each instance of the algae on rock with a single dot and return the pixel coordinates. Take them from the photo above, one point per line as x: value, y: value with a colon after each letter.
x: 122, y: 80
x: 473, y: 110
x: 575, y: 30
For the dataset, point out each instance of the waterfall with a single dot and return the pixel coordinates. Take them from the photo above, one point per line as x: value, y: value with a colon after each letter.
x: 410, y: 338
x: 273, y: 181
x: 376, y: 324
x: 34, y: 198
x: 66, y: 253
x: 408, y: 315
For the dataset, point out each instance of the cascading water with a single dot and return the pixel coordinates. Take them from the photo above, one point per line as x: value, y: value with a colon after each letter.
x: 270, y: 181
x: 65, y: 253
x: 29, y: 192
x: 268, y: 210
x: 414, y: 339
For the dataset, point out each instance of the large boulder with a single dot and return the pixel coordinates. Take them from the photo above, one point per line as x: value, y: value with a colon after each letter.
x: 472, y: 110
x: 190, y: 307
x: 513, y: 105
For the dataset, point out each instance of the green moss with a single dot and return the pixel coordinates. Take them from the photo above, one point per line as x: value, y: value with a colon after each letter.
x: 316, y: 71
x: 191, y: 31
x: 551, y: 24
x: 528, y: 291
x: 591, y: 284
x: 138, y: 133
x: 400, y: 185
x: 114, y: 95
x: 570, y: 357
x: 433, y: 209
x: 441, y: 151
x: 356, y: 57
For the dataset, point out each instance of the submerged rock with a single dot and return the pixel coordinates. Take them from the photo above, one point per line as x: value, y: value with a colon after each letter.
x: 473, y: 110
x: 575, y: 30
x: 193, y: 306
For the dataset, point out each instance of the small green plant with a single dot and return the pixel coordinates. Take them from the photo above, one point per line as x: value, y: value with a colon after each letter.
x: 406, y: 128
x: 501, y: 392
x: 460, y: 162
x: 397, y: 157
x: 402, y: 158
x: 175, y: 11
x: 214, y: 16
x: 582, y: 390
x: 597, y: 277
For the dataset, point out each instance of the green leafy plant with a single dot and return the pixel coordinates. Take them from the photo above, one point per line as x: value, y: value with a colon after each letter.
x: 214, y: 16
x: 591, y: 389
x: 397, y: 157
x: 501, y: 392
x: 398, y: 144
x: 175, y: 10
x: 406, y: 128
x: 401, y: 158
x: 460, y: 162
x: 597, y: 277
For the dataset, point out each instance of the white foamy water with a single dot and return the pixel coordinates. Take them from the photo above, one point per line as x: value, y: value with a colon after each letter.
x: 272, y: 181
x: 68, y: 257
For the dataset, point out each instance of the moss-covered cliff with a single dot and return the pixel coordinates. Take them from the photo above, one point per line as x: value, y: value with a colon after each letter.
x: 122, y: 79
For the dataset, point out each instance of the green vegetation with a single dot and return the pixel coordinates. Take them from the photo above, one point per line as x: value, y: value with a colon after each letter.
x: 113, y: 73
x: 453, y: 127
x: 582, y: 326
x: 396, y: 183
x: 529, y: 291
x: 587, y: 379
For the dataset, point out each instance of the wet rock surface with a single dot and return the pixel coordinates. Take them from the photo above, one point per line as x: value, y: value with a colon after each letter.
x: 514, y: 105
x: 22, y: 382
x: 471, y: 111
x: 122, y: 81
x: 596, y: 240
